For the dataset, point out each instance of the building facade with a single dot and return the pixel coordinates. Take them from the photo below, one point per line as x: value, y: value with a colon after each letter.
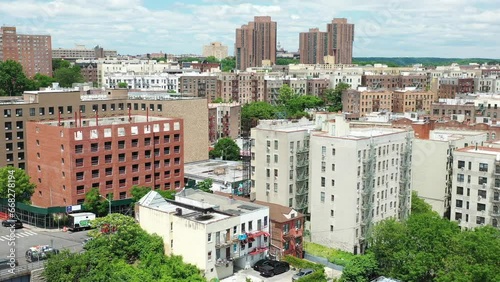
x: 80, y: 52
x: 358, y: 177
x: 33, y: 52
x: 280, y: 162
x: 412, y: 100
x: 475, y: 196
x: 204, y: 86
x: 215, y: 49
x: 243, y: 87
x: 45, y: 106
x: 359, y: 103
x: 256, y: 43
x: 216, y: 233
x: 313, y: 46
x: 224, y: 120
x: 340, y: 40
x: 112, y: 154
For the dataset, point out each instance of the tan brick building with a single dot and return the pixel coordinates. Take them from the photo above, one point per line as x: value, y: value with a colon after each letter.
x: 203, y: 86
x: 358, y: 103
x: 243, y: 87
x: 68, y: 158
x: 224, y: 120
x: 394, y: 81
x: 33, y: 52
x: 45, y: 106
x: 412, y: 101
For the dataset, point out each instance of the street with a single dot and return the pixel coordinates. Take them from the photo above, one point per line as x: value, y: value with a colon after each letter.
x: 31, y: 236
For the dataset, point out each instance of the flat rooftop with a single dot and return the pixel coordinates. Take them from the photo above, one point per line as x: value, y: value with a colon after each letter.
x: 218, y: 170
x: 359, y: 133
x: 284, y: 125
x: 220, y: 203
x: 88, y: 122
x: 480, y: 150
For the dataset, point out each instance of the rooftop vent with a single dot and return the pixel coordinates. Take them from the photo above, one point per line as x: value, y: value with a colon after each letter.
x: 204, y: 217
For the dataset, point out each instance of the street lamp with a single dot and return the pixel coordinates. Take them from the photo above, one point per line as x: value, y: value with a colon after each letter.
x: 109, y: 212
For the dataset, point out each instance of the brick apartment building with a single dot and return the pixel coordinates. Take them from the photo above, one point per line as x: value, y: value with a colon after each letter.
x: 340, y: 40
x: 224, y: 120
x: 394, y: 81
x: 445, y: 108
x: 313, y: 46
x: 449, y: 87
x: 412, y: 101
x: 89, y: 72
x: 360, y: 102
x: 242, y: 87
x: 203, y: 86
x: 317, y: 87
x: 45, y: 106
x: 33, y: 52
x: 256, y: 43
x: 67, y: 158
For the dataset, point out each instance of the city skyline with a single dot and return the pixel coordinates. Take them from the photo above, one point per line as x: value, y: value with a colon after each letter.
x: 403, y: 28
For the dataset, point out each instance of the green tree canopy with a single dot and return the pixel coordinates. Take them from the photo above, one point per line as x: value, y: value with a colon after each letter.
x: 205, y: 185
x: 360, y: 269
x: 39, y: 81
x: 418, y: 205
x: 334, y: 97
x: 59, y: 64
x: 287, y: 61
x: 138, y: 192
x: 120, y: 251
x: 67, y: 76
x: 228, y: 64
x: 15, y: 182
x: 122, y: 85
x: 218, y: 100
x: 212, y: 59
x: 95, y: 203
x: 227, y: 149
x: 254, y: 111
x: 13, y: 82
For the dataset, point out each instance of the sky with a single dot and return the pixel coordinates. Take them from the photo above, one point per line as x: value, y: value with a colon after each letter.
x: 393, y: 28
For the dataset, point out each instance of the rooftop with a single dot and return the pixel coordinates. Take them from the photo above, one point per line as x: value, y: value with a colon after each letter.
x: 217, y: 170
x: 284, y: 125
x: 88, y: 122
x: 481, y: 150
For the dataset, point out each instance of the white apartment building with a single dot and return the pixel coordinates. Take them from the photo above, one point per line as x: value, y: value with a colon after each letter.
x: 216, y: 233
x: 475, y: 197
x: 358, y: 177
x: 280, y: 162
x: 153, y: 81
x: 432, y: 165
x: 351, y: 76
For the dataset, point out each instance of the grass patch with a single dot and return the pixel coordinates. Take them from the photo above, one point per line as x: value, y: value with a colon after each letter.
x: 333, y: 255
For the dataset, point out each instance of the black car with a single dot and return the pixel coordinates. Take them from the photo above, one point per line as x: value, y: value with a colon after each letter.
x: 274, y: 268
x: 16, y: 223
x: 260, y: 263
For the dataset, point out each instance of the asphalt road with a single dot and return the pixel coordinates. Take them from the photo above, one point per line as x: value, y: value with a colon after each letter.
x: 30, y: 236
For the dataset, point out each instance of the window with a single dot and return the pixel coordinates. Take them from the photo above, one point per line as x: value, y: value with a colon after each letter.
x: 323, y: 166
x: 275, y: 187
x: 275, y: 144
x: 460, y: 177
x: 481, y: 207
x: 275, y: 173
x: 482, y: 180
x: 209, y: 255
x: 322, y: 197
x: 94, y: 147
x: 275, y: 159
x: 482, y: 194
x: 323, y: 150
x: 121, y: 144
x: 95, y: 160
x: 461, y: 164
x: 323, y: 181
x: 333, y: 167
x: 483, y: 167
x: 333, y: 151
x: 460, y: 190
x: 121, y: 157
x: 333, y: 182
x: 95, y: 173
x: 459, y: 203
x: 107, y: 145
x: 80, y: 175
x: 480, y: 220
x: 332, y: 198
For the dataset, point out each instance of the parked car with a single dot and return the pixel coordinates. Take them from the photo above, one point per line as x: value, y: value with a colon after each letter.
x: 274, y: 268
x: 5, y: 263
x: 302, y: 273
x: 40, y: 253
x: 16, y: 223
x: 260, y: 263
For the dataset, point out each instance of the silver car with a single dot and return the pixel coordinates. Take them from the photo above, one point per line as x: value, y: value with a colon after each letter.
x: 302, y: 273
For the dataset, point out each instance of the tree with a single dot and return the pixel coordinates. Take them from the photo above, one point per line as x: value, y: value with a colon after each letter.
x: 227, y: 149
x: 218, y: 100
x: 13, y: 82
x: 15, y: 182
x: 67, y: 76
x: 418, y: 205
x: 254, y: 111
x: 287, y: 61
x: 122, y: 85
x: 60, y: 63
x: 360, y: 269
x: 138, y: 192
x: 39, y: 81
x: 286, y: 93
x: 211, y: 59
x: 95, y: 203
x: 228, y: 64
x: 128, y: 253
x: 205, y: 185
x: 334, y: 97
x: 296, y: 106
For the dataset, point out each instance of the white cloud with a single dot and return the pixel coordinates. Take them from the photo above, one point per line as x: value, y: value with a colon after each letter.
x: 394, y: 28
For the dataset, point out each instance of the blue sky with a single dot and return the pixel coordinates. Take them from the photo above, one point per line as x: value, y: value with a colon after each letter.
x: 430, y: 28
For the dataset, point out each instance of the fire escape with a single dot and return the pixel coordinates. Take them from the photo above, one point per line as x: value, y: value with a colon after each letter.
x: 449, y: 182
x: 302, y: 179
x: 246, y: 158
x: 294, y: 239
x: 212, y: 127
x: 225, y: 126
x: 235, y: 97
x: 405, y: 180
x: 254, y: 84
x: 367, y: 196
x: 495, y: 212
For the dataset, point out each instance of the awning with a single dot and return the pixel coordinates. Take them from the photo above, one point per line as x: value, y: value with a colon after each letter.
x: 257, y: 251
x: 257, y: 234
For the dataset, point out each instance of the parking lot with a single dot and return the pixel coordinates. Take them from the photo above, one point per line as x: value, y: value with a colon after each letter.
x: 242, y: 275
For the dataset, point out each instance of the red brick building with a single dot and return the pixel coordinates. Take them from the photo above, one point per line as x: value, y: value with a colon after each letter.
x: 33, y: 52
x: 113, y: 154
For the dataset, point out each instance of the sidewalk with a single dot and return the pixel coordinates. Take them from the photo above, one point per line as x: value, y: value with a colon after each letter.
x: 38, y: 229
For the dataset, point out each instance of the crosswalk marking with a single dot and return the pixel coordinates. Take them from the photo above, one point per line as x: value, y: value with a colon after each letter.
x: 17, y: 235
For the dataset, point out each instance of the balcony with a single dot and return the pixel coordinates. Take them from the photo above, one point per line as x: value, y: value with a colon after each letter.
x: 293, y: 233
x: 224, y: 262
x: 258, y: 250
